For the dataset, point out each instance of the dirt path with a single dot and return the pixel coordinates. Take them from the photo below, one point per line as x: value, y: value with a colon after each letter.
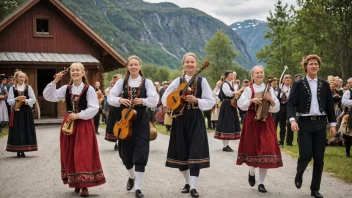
x: 38, y: 175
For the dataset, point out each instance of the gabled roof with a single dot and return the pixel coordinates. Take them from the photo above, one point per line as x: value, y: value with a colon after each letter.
x: 74, y: 18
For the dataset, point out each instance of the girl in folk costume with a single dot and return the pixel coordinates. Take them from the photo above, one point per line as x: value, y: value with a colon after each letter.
x: 134, y: 151
x: 228, y: 126
x: 80, y: 162
x: 188, y: 147
x: 216, y: 109
x: 258, y: 146
x: 22, y: 136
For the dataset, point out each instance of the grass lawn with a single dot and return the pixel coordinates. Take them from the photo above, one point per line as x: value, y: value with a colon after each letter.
x: 4, y: 132
x: 335, y: 161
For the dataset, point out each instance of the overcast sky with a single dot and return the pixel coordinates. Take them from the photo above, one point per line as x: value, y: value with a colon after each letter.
x: 230, y: 11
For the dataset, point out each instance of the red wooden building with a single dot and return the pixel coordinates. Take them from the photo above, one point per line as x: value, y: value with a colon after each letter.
x: 42, y: 37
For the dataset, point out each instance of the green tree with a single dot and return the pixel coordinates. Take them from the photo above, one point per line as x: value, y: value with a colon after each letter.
x: 279, y: 52
x: 221, y: 54
x: 6, y: 7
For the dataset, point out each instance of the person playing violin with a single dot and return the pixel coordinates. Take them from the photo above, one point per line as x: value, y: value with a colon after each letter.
x: 134, y: 151
x: 80, y: 161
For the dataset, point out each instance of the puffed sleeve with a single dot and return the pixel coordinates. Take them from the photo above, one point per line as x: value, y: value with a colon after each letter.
x: 115, y: 92
x: 31, y: 95
x: 226, y: 89
x: 207, y: 101
x: 152, y: 96
x: 276, y: 107
x: 245, y: 100
x: 10, y: 97
x: 52, y: 94
x: 92, y: 106
x: 346, y: 99
x: 172, y: 87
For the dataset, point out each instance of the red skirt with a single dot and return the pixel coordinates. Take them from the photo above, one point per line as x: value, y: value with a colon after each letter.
x: 80, y: 162
x: 258, y: 144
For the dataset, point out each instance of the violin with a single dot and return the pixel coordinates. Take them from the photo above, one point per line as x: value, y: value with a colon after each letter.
x: 123, y: 128
x: 173, y: 100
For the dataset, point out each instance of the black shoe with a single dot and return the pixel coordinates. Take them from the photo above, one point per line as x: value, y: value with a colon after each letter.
x: 347, y: 155
x: 251, y: 180
x: 316, y: 194
x: 186, y: 188
x: 22, y: 154
x: 298, y: 180
x: 130, y: 184
x: 18, y: 154
x: 227, y: 149
x: 261, y: 188
x: 194, y: 193
x: 139, y: 194
x: 116, y: 148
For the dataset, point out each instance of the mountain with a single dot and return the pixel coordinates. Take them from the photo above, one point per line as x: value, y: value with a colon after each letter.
x: 159, y: 33
x: 252, y: 32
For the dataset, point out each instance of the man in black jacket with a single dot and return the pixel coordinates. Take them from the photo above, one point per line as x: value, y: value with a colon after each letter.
x: 311, y: 99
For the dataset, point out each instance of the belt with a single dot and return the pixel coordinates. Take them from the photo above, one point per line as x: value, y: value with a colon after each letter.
x: 312, y: 117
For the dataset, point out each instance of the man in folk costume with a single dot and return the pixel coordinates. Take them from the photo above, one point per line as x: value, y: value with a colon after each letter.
x: 283, y: 96
x: 311, y: 99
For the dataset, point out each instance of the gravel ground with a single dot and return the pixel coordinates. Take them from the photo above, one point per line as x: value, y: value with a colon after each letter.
x: 38, y: 175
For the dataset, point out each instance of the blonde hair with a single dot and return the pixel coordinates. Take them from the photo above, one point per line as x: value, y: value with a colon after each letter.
x: 84, y: 77
x: 17, y: 73
x: 189, y: 54
x: 125, y: 82
x: 252, y: 70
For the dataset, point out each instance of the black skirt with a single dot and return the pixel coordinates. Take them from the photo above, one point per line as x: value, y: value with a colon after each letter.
x: 228, y: 126
x: 135, y: 151
x: 114, y: 116
x: 22, y: 136
x: 188, y: 146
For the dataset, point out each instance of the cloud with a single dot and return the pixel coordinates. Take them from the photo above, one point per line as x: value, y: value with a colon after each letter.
x: 230, y: 11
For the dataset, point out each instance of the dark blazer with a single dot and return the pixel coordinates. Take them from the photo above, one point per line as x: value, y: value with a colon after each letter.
x: 300, y: 99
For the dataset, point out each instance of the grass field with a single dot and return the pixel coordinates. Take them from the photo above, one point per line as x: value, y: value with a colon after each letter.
x: 4, y: 132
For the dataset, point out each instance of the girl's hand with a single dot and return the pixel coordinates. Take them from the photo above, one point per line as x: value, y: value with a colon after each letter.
x: 58, y: 77
x: 191, y: 98
x: 73, y: 116
x: 138, y: 101
x: 257, y: 101
x: 267, y: 96
x: 125, y: 102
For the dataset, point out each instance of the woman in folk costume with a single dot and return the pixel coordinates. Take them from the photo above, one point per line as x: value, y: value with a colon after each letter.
x: 216, y: 109
x: 139, y: 91
x: 22, y: 136
x: 4, y: 117
x: 258, y: 146
x: 188, y: 148
x: 80, y: 161
x: 228, y: 126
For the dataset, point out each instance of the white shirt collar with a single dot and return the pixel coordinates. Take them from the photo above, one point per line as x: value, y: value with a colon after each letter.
x: 18, y: 86
x: 255, y: 85
x: 309, y: 79
x: 79, y: 86
x: 138, y: 78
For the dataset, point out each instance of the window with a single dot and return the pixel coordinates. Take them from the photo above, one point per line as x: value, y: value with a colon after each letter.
x: 42, y: 26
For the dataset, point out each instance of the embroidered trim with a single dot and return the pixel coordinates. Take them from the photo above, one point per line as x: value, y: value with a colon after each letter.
x: 190, y: 161
x: 22, y: 148
x: 225, y: 136
x: 82, y: 178
x: 264, y: 159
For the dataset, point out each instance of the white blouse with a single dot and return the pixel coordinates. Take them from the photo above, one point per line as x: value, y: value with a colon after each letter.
x: 52, y: 94
x: 244, y: 101
x: 227, y: 90
x: 30, y: 101
x: 206, y: 101
x: 152, y: 96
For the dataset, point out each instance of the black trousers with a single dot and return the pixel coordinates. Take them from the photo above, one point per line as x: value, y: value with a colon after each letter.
x: 96, y: 120
x: 275, y: 117
x: 311, y: 137
x: 282, y: 120
x: 348, y: 141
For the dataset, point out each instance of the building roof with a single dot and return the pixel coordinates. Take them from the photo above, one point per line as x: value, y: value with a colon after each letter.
x: 74, y: 18
x: 6, y: 57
